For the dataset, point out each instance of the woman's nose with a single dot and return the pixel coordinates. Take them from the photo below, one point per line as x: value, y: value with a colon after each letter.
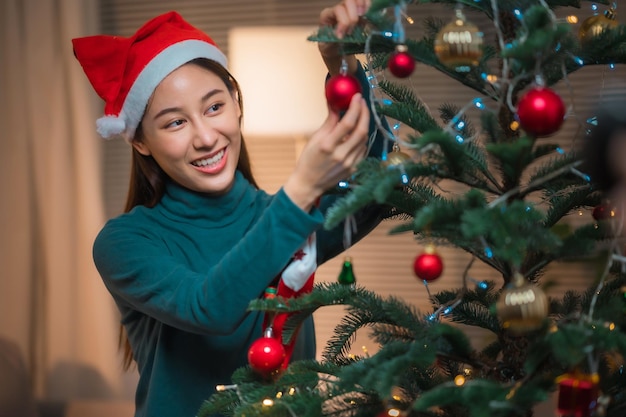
x: 205, y: 135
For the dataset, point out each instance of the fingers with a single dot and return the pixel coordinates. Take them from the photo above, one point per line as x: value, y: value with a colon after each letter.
x: 347, y: 139
x: 344, y: 16
x: 356, y: 142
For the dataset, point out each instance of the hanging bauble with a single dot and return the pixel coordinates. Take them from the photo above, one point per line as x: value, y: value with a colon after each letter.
x: 396, y: 158
x: 266, y: 355
x: 458, y: 44
x: 346, y: 276
x: 603, y: 211
x: 401, y: 63
x: 540, y: 111
x: 522, y: 307
x: 428, y: 265
x: 596, y: 24
x: 339, y: 91
x: 578, y: 394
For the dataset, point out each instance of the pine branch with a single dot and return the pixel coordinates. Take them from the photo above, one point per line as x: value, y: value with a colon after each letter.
x: 463, y: 162
x: 406, y: 108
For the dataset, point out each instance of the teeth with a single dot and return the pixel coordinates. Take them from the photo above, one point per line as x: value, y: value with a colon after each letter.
x: 209, y: 161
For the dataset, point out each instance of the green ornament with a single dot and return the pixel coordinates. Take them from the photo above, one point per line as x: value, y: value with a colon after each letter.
x: 270, y: 292
x: 346, y: 276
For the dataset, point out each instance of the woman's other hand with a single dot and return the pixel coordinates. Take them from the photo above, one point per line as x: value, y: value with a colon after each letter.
x: 330, y: 155
x: 343, y: 17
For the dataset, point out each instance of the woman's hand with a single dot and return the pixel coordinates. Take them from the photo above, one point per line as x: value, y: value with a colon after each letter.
x: 343, y: 17
x: 330, y: 155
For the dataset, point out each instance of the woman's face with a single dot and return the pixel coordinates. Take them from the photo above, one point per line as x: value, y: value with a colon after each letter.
x: 191, y: 128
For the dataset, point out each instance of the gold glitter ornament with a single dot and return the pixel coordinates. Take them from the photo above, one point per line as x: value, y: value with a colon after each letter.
x: 458, y: 44
x: 596, y: 24
x: 396, y: 157
x: 522, y: 307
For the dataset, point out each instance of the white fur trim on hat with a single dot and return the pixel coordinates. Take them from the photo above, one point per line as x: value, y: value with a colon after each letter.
x: 110, y: 126
x: 149, y: 78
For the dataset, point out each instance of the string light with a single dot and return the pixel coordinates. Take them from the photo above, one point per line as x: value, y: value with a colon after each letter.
x: 490, y: 78
x: 393, y: 412
x: 582, y: 175
x: 221, y: 388
x: 480, y: 284
x: 572, y: 19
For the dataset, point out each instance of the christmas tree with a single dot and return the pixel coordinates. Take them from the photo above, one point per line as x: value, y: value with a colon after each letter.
x: 514, y: 187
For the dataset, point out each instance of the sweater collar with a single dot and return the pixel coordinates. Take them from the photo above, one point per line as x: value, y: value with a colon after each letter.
x: 182, y: 204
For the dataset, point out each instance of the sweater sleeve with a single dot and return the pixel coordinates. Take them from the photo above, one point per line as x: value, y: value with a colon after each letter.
x: 140, y: 273
x: 330, y: 242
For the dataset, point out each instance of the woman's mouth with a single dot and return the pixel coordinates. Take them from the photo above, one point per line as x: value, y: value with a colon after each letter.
x: 212, y: 164
x: 209, y: 161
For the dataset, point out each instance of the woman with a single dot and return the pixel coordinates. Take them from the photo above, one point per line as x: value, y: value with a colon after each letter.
x: 199, y: 240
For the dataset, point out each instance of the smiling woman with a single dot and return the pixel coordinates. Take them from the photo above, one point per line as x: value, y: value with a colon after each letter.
x: 174, y: 262
x: 193, y: 135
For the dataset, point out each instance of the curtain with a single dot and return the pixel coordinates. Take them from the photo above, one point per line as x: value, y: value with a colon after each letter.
x: 52, y: 302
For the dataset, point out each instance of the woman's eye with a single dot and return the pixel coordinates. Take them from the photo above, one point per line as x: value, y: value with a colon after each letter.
x: 175, y: 123
x: 215, y: 107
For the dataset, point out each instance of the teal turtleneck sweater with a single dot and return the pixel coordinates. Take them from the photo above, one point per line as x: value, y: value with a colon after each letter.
x: 184, y: 272
x: 182, y: 276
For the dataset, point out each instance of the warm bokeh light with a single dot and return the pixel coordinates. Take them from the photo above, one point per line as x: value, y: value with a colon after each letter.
x: 282, y: 77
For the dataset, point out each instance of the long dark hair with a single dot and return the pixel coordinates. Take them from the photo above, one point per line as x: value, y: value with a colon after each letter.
x: 147, y: 179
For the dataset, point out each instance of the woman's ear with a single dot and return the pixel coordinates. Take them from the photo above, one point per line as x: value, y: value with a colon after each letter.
x: 141, y: 148
x: 237, y: 100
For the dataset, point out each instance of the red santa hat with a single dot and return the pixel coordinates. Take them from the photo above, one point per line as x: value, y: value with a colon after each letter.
x: 125, y: 71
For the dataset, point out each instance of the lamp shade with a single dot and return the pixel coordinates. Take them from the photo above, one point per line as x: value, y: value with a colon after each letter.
x: 282, y: 78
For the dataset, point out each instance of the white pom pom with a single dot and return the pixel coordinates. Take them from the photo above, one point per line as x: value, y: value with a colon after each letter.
x: 110, y: 126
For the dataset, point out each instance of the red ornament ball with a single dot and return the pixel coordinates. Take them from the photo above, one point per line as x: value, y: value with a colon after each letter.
x: 603, y: 212
x: 266, y: 355
x: 540, y: 111
x: 339, y: 91
x: 401, y: 63
x: 428, y: 265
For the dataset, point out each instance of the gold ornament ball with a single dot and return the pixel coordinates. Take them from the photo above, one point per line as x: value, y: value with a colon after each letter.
x: 523, y: 307
x: 595, y: 25
x: 459, y: 44
x: 396, y: 158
